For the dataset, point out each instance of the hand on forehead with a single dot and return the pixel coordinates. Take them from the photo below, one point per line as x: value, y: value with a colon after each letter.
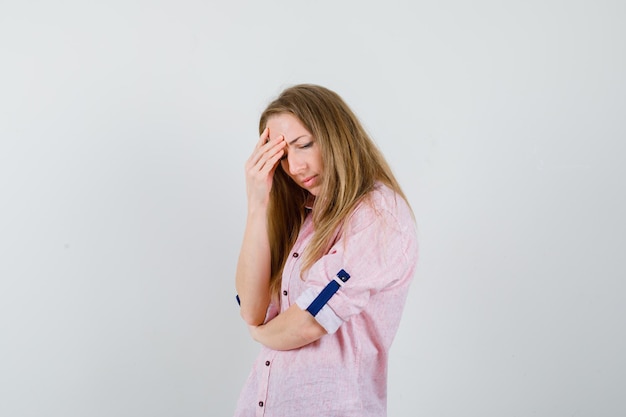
x: 288, y: 126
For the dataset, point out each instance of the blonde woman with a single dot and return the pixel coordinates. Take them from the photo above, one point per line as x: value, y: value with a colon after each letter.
x: 328, y: 253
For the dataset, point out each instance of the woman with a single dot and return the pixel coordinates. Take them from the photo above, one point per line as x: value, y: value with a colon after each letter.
x: 328, y: 253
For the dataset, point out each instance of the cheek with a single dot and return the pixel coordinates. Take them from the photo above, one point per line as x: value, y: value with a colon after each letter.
x: 319, y: 161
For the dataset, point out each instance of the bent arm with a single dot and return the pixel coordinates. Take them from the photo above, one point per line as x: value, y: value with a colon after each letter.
x: 291, y: 329
x: 253, y: 269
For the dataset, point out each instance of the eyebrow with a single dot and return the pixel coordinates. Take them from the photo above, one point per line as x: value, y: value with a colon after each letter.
x: 296, y: 139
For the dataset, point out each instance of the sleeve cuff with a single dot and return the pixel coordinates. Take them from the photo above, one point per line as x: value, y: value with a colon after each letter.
x: 326, y: 317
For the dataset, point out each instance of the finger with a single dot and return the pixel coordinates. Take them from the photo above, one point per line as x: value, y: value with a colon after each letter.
x: 274, y: 149
x: 263, y: 139
x: 265, y: 136
x: 267, y: 150
x: 271, y: 163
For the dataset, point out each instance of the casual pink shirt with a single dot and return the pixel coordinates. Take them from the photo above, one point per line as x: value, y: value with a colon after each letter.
x: 343, y: 374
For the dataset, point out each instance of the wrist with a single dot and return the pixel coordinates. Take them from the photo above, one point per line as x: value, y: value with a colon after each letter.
x: 258, y: 209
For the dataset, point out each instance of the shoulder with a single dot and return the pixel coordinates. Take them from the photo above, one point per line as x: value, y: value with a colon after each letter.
x: 382, y: 204
x: 383, y: 221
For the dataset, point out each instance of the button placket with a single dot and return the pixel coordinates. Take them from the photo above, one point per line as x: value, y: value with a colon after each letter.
x: 289, y: 271
x: 292, y: 265
x: 264, y: 383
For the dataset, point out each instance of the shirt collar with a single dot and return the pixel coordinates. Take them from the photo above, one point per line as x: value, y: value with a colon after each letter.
x: 308, y: 204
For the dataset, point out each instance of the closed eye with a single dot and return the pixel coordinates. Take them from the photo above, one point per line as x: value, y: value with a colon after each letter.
x: 306, y: 145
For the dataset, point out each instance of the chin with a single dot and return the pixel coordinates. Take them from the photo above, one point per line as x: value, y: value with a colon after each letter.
x: 314, y: 191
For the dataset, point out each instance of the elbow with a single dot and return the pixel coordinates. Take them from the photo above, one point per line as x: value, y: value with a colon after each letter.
x: 251, y: 318
x: 253, y: 310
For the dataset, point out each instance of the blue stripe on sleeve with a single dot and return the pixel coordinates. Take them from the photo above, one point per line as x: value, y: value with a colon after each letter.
x: 325, y: 295
x: 321, y: 300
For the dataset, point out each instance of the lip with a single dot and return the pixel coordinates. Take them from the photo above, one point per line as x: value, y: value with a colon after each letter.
x: 309, y: 181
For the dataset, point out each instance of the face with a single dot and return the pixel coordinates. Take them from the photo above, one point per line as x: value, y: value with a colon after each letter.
x: 303, y: 157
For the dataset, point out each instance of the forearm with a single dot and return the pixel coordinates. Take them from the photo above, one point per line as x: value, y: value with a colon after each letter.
x: 291, y: 329
x: 253, y: 269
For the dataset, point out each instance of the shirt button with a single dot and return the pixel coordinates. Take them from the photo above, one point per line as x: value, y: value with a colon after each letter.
x: 295, y: 254
x: 260, y: 403
x: 285, y: 292
x: 267, y: 363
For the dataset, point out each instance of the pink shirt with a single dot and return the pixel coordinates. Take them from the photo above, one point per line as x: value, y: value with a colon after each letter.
x: 343, y: 374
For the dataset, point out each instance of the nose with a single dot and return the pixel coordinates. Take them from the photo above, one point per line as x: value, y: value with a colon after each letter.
x: 296, y: 163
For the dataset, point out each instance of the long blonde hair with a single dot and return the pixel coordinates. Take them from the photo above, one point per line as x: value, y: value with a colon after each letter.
x: 352, y: 166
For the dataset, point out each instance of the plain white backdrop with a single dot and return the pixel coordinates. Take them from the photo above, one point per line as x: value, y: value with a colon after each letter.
x: 124, y: 128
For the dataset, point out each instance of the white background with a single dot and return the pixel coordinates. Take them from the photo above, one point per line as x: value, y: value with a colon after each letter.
x: 124, y: 127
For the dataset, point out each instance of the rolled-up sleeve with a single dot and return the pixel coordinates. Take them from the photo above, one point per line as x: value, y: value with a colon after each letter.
x: 377, y: 248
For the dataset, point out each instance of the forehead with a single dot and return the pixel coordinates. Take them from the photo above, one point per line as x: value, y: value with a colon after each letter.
x: 286, y: 124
